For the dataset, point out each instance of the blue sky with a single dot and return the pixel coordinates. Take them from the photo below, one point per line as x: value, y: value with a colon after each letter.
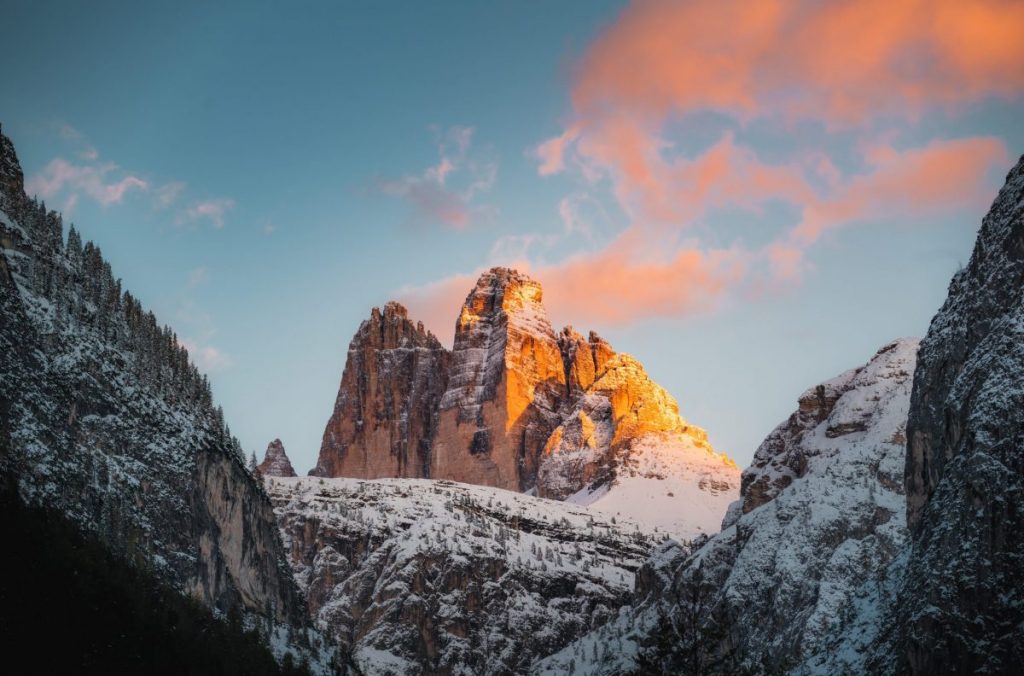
x: 261, y: 175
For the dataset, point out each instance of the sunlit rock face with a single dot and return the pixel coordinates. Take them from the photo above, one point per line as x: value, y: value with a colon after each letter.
x: 506, y: 388
x: 516, y: 406
x: 385, y: 416
x: 624, y: 448
x: 275, y: 461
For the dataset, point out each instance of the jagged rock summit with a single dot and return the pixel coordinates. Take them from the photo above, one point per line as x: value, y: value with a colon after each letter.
x: 385, y: 416
x: 518, y: 406
x: 275, y: 461
x: 507, y: 386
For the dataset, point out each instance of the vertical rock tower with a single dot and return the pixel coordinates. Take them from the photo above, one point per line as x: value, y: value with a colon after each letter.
x: 275, y: 461
x: 385, y: 416
x: 507, y: 385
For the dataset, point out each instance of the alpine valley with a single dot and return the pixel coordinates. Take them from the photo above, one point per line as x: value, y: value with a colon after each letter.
x: 529, y: 501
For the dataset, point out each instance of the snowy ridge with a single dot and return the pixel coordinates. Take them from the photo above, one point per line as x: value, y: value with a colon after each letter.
x: 420, y: 576
x: 796, y: 583
x: 670, y: 482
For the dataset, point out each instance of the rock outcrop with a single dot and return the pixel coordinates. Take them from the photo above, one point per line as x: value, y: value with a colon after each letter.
x: 433, y: 577
x: 275, y: 461
x: 796, y: 579
x: 104, y: 418
x: 624, y: 449
x: 514, y: 405
x: 385, y: 417
x: 507, y: 386
x: 961, y: 605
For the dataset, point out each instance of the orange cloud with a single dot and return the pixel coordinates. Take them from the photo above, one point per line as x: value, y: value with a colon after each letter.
x: 612, y: 286
x: 941, y: 176
x: 863, y: 72
x: 839, y: 63
x: 844, y: 60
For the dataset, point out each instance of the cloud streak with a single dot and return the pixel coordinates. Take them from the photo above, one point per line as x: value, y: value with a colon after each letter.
x: 213, y: 211
x: 61, y: 176
x: 445, y: 192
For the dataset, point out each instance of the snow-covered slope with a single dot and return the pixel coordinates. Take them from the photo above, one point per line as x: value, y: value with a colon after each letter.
x: 796, y: 579
x: 104, y: 418
x: 668, y: 481
x: 422, y: 577
x: 625, y: 450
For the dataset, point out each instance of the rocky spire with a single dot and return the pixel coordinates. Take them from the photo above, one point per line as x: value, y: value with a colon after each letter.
x: 385, y: 415
x: 507, y: 385
x: 275, y: 461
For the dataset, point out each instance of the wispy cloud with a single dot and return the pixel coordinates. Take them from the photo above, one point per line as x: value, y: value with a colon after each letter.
x: 208, y: 357
x: 213, y: 210
x: 199, y: 328
x: 168, y: 194
x: 197, y: 276
x: 96, y: 181
x: 445, y: 192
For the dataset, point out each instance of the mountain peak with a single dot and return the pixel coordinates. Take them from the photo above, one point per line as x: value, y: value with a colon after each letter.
x: 275, y: 461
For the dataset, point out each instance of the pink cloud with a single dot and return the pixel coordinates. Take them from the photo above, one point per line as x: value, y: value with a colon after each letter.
x: 612, y: 286
x: 940, y: 177
x: 862, y: 71
x: 213, y: 210
x: 60, y: 175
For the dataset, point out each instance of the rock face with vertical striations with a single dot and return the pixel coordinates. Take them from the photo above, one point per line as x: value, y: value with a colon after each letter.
x: 275, y: 461
x: 386, y: 414
x: 104, y: 418
x: 516, y: 406
x: 506, y: 389
x: 961, y: 607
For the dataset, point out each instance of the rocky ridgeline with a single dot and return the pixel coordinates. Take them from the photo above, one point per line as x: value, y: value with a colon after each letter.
x: 386, y: 414
x: 434, y: 577
x: 790, y: 582
x: 104, y: 417
x: 515, y: 405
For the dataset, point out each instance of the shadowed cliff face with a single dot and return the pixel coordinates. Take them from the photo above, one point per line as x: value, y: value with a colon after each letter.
x: 103, y: 417
x: 961, y: 607
x: 385, y: 417
x: 797, y: 578
x: 434, y: 577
